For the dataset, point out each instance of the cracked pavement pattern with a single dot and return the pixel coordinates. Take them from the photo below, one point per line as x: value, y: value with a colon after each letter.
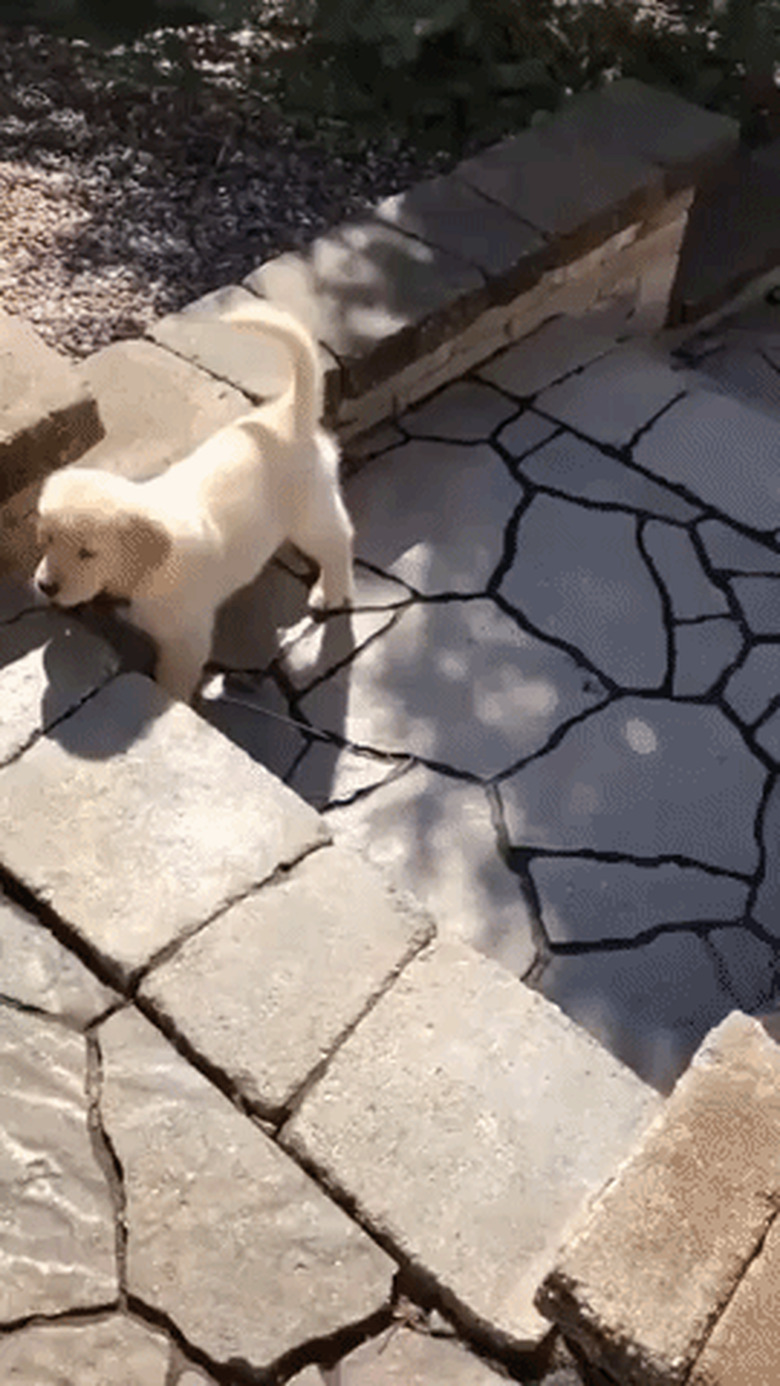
x: 555, y: 712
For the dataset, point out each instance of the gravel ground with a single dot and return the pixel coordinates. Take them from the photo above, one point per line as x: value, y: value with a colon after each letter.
x: 119, y: 203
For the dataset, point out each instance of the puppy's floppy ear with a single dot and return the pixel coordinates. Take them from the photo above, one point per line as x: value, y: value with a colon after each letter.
x: 144, y: 543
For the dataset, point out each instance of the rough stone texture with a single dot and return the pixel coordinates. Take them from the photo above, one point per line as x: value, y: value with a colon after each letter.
x: 744, y: 1346
x: 401, y: 1357
x: 569, y: 465
x: 116, y: 1350
x: 56, y: 1217
x: 651, y: 1004
x: 615, y: 396
x: 759, y: 598
x: 564, y: 186
x: 149, y: 852
x: 703, y: 652
x: 554, y: 350
x: 435, y: 838
x: 256, y: 718
x: 467, y: 688
x: 752, y: 687
x: 408, y: 533
x: 584, y: 901
x: 49, y: 664
x: 479, y: 1090
x: 267, y: 990
x: 675, y: 134
x: 694, y: 445
x: 466, y: 412
x: 639, y: 1287
x: 446, y: 212
x: 646, y: 779
x: 47, y: 414
x: 728, y: 549
x: 155, y: 408
x: 36, y: 971
x: 248, y: 360
x: 578, y: 576
x: 379, y: 297
x: 208, y: 1193
x: 674, y: 558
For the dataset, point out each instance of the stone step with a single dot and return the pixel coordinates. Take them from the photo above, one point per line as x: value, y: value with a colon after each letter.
x: 47, y: 414
x: 673, y: 1275
x: 466, y: 1120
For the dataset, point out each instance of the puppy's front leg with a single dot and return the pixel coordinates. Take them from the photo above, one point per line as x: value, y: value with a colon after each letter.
x: 180, y: 663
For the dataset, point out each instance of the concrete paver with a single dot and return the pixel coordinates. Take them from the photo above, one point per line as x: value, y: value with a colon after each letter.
x: 265, y: 992
x: 744, y: 1347
x: 615, y: 396
x: 38, y: 972
x: 569, y: 466
x: 402, y: 1357
x: 130, y: 756
x: 468, y: 1049
x: 225, y: 1234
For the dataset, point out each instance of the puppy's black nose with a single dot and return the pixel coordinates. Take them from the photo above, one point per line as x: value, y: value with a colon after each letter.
x: 49, y: 589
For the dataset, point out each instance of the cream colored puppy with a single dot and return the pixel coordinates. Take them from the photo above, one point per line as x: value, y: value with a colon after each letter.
x: 177, y: 546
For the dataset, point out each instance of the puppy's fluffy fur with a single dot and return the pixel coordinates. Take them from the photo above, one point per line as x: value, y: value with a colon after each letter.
x: 177, y: 546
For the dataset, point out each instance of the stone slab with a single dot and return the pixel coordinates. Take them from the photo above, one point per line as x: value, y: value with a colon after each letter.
x: 759, y: 598
x: 744, y: 1346
x: 703, y: 653
x: 150, y: 852
x: 435, y: 837
x: 47, y: 413
x: 49, y: 663
x: 690, y: 592
x: 470, y: 688
x: 615, y: 396
x: 116, y: 1350
x: 578, y: 576
x: 448, y: 213
x: 57, y: 1236
x: 403, y: 528
x: 155, y: 408
x: 668, y: 1241
x: 466, y: 412
x: 752, y: 687
x: 36, y: 971
x: 694, y: 445
x: 255, y: 716
x: 651, y: 1003
x: 380, y: 298
x: 768, y: 737
x: 208, y: 1193
x: 555, y: 349
x: 526, y: 433
x: 478, y: 1093
x: 265, y: 993
x: 253, y: 363
x: 566, y: 187
x: 731, y: 551
x: 402, y: 1357
x: 766, y: 908
x: 569, y: 466
x: 658, y: 125
x: 644, y: 778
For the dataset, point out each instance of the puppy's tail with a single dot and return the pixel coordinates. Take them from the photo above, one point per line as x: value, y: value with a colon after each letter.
x: 304, y: 394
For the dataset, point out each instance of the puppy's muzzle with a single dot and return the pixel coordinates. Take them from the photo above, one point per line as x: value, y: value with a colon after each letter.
x: 49, y: 589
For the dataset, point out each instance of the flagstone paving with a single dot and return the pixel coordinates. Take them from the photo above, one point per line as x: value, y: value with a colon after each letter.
x: 555, y: 713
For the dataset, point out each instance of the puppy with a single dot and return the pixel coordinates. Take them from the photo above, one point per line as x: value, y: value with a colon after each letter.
x: 178, y: 545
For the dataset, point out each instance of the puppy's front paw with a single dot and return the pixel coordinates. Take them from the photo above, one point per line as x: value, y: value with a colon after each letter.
x: 321, y: 599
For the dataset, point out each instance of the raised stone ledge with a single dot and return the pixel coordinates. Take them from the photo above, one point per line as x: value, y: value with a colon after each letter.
x: 672, y: 1275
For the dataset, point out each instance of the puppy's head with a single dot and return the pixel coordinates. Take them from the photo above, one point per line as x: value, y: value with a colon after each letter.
x: 95, y: 536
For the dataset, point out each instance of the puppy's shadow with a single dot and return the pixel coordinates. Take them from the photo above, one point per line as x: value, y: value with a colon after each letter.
x: 270, y: 649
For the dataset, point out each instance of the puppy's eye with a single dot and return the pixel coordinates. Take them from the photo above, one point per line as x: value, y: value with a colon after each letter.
x: 84, y: 554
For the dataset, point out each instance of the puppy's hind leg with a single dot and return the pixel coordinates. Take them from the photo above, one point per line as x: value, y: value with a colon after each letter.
x: 327, y: 539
